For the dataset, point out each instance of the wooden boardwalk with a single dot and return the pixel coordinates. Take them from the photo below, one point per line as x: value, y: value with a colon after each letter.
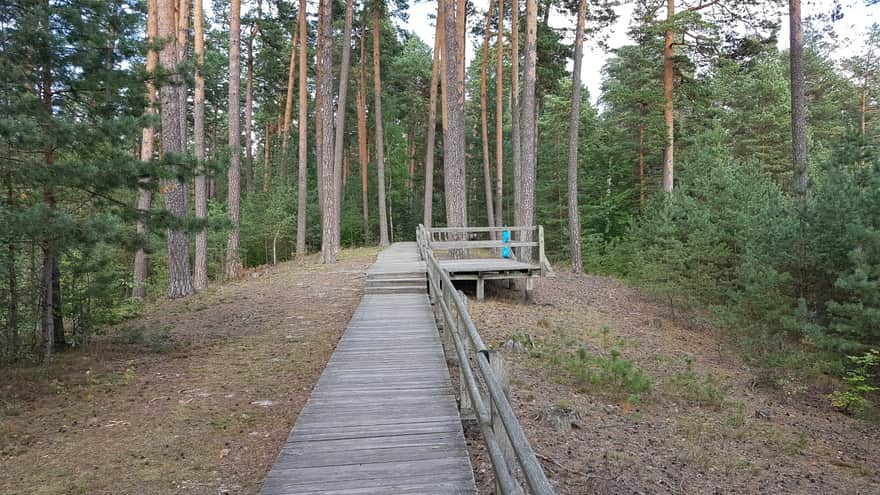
x: 383, y: 417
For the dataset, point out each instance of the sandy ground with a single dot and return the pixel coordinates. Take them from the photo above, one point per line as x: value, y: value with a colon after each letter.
x: 717, y: 431
x: 195, y: 397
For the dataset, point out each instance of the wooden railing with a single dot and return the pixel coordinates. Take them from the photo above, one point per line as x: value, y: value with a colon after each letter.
x: 522, y: 240
x: 483, y: 394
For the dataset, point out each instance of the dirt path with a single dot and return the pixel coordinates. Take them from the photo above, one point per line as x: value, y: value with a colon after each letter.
x: 704, y: 425
x: 195, y: 397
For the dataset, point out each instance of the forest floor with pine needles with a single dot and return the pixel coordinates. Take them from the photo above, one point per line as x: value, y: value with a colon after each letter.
x: 619, y: 396
x: 196, y: 396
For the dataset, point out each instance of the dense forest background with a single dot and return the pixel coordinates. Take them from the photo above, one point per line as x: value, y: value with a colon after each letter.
x: 786, y: 259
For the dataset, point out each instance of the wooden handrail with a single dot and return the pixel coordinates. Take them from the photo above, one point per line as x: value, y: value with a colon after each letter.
x: 500, y: 425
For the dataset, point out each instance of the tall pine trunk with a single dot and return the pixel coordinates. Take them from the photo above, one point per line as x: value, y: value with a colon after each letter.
x: 249, y: 117
x: 139, y: 290
x: 233, y: 249
x: 50, y: 262
x: 499, y: 116
x: 454, y: 134
x: 487, y: 175
x: 176, y: 196
x: 799, y: 127
x: 432, y: 128
x: 668, y: 109
x: 525, y: 209
x: 574, y: 223
x: 288, y: 102
x: 200, y: 270
x: 515, y: 103
x: 339, y: 139
x: 182, y: 39
x: 12, y: 281
x: 327, y: 179
x: 363, y: 149
x: 302, y: 124
x: 380, y: 139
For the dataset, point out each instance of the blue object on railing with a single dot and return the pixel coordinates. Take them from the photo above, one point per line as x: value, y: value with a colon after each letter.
x: 505, y: 236
x: 505, y: 252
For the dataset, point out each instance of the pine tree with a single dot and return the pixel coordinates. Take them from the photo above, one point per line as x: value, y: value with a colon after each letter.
x: 380, y: 137
x: 174, y: 148
x: 574, y: 226
x: 454, y: 129
x: 200, y: 270
x: 233, y: 254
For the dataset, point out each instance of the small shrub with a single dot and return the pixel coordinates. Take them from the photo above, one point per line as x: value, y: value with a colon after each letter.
x: 605, y: 373
x: 853, y: 400
x: 703, y: 389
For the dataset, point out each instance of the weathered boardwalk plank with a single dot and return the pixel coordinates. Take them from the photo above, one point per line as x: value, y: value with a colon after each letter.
x: 382, y: 418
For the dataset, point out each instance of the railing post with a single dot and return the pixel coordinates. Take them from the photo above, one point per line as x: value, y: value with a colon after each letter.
x: 541, y: 248
x: 502, y: 376
x: 466, y: 407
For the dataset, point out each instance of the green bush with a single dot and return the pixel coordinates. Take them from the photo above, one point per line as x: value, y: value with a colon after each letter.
x: 609, y: 374
x: 853, y: 399
x: 731, y: 240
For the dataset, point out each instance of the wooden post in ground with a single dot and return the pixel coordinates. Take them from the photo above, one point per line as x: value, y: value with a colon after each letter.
x: 481, y: 288
x: 465, y: 407
x: 502, y: 376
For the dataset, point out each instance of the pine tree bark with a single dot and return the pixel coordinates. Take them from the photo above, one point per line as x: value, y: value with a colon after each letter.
x: 484, y: 121
x: 515, y: 110
x: 327, y: 184
x: 339, y: 139
x: 288, y: 102
x: 47, y: 313
x: 267, y: 165
x: 525, y: 209
x: 139, y: 289
x: 302, y: 187
x: 461, y: 37
x: 454, y: 134
x: 182, y: 40
x: 799, y: 128
x: 249, y: 116
x: 432, y: 128
x: 200, y: 270
x: 319, y: 114
x: 59, y: 341
x: 499, y: 116
x: 363, y: 149
x: 798, y: 107
x: 574, y: 223
x: 233, y: 201
x: 444, y: 99
x: 380, y: 140
x: 176, y: 196
x: 668, y: 109
x: 12, y: 280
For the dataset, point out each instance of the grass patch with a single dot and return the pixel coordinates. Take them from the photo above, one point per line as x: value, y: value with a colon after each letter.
x: 705, y: 390
x: 608, y: 374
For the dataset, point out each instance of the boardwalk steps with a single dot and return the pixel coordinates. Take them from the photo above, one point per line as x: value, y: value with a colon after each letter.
x: 382, y: 418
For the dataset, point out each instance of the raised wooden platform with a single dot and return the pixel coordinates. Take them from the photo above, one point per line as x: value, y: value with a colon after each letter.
x: 382, y: 418
x: 482, y: 269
